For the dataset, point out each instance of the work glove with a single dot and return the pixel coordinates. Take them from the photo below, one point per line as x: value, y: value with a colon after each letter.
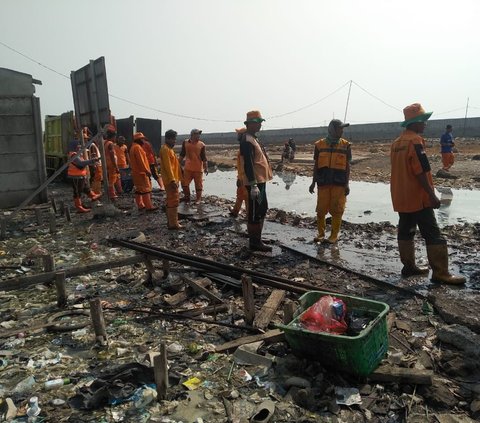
x: 311, y: 188
x: 254, y: 192
x: 347, y: 190
x: 206, y: 172
x: 173, y: 185
x: 239, y: 183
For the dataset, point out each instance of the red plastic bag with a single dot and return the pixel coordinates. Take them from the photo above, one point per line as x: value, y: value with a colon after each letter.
x: 326, y: 315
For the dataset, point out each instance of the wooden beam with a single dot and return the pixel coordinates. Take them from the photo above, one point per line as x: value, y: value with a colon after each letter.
x: 160, y: 371
x: 196, y: 286
x: 61, y: 289
x: 98, y: 321
x: 248, y: 300
x: 289, y: 309
x: 26, y: 281
x: 275, y: 335
x: 181, y: 296
x: 214, y: 309
x: 266, y: 313
x: 402, y: 375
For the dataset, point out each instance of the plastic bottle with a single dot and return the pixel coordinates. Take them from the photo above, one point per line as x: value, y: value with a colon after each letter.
x: 24, y: 386
x: 33, y: 410
x: 56, y: 383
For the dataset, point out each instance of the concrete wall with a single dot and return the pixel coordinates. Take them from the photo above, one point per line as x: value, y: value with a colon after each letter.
x: 354, y: 133
x: 22, y: 161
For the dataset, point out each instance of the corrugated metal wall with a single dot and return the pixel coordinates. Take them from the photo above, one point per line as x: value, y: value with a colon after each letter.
x: 22, y: 160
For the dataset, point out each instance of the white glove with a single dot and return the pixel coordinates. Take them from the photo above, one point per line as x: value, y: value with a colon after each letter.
x: 254, y: 192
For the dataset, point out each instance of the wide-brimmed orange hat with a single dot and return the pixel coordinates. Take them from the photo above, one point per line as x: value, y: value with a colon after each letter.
x: 139, y: 136
x: 241, y: 130
x: 254, y: 116
x: 415, y: 113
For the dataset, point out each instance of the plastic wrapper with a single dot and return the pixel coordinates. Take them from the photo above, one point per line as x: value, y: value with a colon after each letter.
x: 326, y: 315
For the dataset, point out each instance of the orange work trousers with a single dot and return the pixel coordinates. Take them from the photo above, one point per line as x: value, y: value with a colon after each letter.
x: 197, y: 177
x: 173, y: 198
x: 331, y: 199
x: 447, y: 160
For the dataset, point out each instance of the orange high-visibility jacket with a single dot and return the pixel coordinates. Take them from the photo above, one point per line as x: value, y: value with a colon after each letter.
x: 332, y: 161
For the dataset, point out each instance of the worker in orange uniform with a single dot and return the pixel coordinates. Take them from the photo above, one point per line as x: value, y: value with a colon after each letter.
x: 194, y: 155
x: 172, y: 176
x: 242, y: 193
x: 113, y: 173
x: 256, y: 173
x: 121, y: 151
x: 141, y: 174
x: 152, y: 162
x: 331, y: 174
x: 96, y: 170
x: 78, y: 173
x: 413, y: 197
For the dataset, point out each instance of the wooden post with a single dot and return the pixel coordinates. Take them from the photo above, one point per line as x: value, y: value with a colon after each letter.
x: 52, y: 222
x: 166, y: 267
x: 150, y: 269
x: 98, y: 321
x: 61, y: 289
x: 61, y: 207
x: 288, y: 312
x: 249, y: 304
x: 67, y: 213
x: 48, y: 263
x: 38, y: 215
x: 3, y: 229
x: 160, y: 371
x: 54, y: 204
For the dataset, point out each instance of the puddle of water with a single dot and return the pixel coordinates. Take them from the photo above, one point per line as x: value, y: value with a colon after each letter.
x: 367, y: 202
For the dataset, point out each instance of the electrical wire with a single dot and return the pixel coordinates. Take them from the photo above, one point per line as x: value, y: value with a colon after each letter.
x: 377, y: 98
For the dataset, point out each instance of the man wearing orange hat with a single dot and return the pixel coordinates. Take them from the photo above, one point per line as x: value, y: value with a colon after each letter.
x: 113, y: 172
x: 141, y: 174
x: 171, y: 175
x: 413, y: 197
x: 256, y: 173
x: 242, y: 194
x: 331, y: 174
x: 194, y: 154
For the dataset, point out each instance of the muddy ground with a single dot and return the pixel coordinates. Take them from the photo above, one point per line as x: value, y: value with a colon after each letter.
x: 433, y: 330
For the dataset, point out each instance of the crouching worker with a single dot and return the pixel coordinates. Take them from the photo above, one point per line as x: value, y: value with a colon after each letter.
x: 141, y: 174
x: 78, y: 173
x: 171, y: 175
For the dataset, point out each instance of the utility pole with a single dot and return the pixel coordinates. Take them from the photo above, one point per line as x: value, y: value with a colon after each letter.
x: 348, y: 99
x: 465, y: 120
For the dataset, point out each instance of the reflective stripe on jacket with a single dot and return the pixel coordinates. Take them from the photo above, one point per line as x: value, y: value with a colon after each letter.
x: 332, y: 162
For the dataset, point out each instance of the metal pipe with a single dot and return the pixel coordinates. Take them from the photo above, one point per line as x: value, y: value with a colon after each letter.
x: 237, y: 271
x: 210, y: 267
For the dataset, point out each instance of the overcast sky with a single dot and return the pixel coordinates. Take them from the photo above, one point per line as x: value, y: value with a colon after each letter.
x: 217, y: 59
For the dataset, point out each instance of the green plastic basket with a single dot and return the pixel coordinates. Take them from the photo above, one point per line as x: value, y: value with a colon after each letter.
x: 358, y: 355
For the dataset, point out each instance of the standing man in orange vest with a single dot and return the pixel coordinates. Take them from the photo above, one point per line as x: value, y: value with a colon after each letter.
x: 413, y: 197
x: 113, y: 172
x: 242, y: 194
x: 121, y: 151
x: 256, y: 173
x: 78, y: 173
x: 195, y: 157
x: 172, y: 176
x: 141, y: 174
x: 331, y: 174
x: 152, y: 162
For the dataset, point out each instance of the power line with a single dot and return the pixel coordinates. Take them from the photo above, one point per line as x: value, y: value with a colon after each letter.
x: 311, y: 104
x: 377, y: 98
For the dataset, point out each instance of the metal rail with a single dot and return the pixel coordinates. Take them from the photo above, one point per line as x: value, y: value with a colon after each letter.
x: 215, y: 267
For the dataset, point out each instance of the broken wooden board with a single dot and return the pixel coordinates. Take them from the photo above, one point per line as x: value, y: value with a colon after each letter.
x: 197, y: 285
x: 402, y: 375
x: 182, y: 296
x: 275, y: 335
x: 265, y: 315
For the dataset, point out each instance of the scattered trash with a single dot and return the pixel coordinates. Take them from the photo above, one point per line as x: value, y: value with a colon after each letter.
x: 347, y: 396
x: 192, y: 383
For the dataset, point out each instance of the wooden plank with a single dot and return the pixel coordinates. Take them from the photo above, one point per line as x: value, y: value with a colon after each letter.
x: 402, y: 375
x: 275, y: 335
x: 248, y: 300
x: 390, y: 321
x: 214, y: 309
x: 181, y: 296
x: 266, y: 313
x: 160, y: 371
x: 26, y: 281
x: 196, y: 286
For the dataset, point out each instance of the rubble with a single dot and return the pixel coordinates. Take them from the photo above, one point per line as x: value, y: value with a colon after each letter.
x: 214, y: 372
